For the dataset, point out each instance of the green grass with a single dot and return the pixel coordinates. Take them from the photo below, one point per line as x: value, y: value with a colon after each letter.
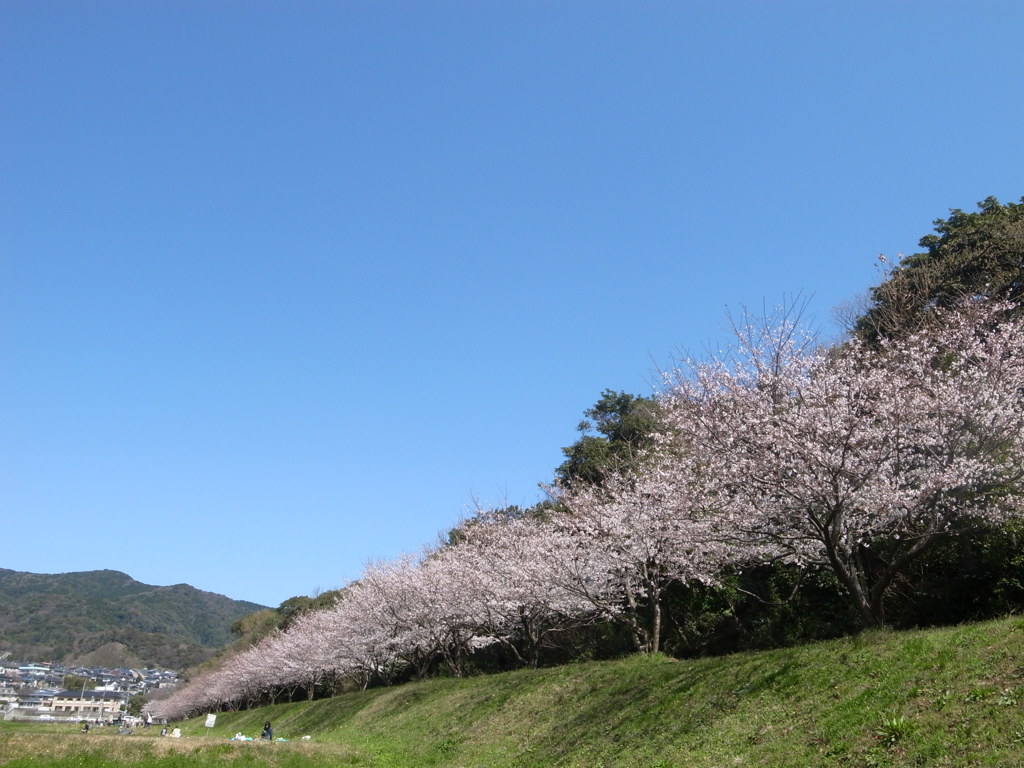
x: 946, y: 697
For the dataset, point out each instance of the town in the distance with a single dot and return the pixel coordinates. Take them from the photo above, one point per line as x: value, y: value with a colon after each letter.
x: 98, y: 696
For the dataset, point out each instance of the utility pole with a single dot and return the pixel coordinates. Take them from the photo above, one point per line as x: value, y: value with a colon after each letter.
x: 81, y: 700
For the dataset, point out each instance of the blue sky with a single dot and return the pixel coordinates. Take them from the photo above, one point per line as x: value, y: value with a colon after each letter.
x: 284, y: 287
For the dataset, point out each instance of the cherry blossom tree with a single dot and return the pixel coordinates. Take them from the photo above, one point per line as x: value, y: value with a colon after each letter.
x: 299, y: 658
x: 418, y: 613
x: 504, y: 570
x: 860, y: 458
x: 643, y: 533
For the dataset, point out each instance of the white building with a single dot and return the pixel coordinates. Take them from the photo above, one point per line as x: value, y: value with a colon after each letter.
x: 90, y: 705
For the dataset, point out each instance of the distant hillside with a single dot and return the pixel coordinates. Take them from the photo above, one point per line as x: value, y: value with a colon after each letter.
x: 106, y: 616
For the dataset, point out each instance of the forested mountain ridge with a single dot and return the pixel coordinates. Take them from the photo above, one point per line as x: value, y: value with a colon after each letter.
x: 107, y: 617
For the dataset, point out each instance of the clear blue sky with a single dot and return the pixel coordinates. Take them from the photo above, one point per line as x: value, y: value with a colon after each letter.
x: 285, y: 285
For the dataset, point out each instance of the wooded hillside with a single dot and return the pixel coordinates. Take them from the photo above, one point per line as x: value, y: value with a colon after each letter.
x: 73, y: 616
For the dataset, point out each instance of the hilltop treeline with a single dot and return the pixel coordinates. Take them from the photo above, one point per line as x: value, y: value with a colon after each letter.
x: 780, y: 492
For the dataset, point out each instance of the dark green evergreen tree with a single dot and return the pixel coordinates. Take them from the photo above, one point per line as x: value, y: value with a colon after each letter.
x: 615, y: 432
x: 969, y: 255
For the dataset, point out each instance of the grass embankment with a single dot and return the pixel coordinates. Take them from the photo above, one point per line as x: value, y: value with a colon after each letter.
x: 946, y: 697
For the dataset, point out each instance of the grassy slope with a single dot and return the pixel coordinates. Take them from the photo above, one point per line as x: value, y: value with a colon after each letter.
x: 947, y: 697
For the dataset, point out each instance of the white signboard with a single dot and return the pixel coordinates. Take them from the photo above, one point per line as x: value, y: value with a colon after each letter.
x: 211, y: 720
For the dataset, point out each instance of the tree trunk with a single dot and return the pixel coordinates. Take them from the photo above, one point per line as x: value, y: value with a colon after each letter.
x: 851, y: 575
x: 654, y: 641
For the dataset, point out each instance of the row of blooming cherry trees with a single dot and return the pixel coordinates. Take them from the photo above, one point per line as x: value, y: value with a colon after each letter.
x: 856, y: 459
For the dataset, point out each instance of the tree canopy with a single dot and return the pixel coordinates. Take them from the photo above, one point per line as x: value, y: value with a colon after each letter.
x: 625, y: 425
x: 969, y: 255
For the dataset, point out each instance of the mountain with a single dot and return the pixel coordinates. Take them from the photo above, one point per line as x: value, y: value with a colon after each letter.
x: 98, y: 617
